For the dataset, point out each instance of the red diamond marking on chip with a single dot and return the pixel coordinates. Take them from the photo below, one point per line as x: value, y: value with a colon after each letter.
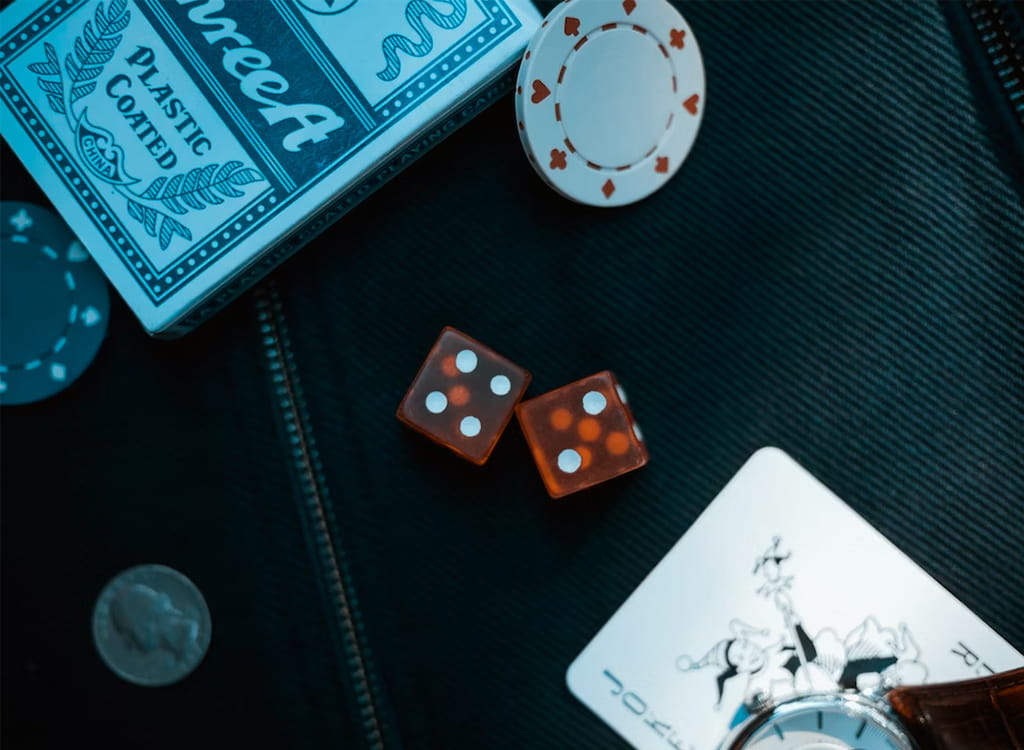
x: 661, y: 164
x: 628, y: 6
x: 540, y: 92
x: 676, y: 38
x: 572, y: 26
x: 608, y: 188
x: 691, y: 104
x: 557, y: 159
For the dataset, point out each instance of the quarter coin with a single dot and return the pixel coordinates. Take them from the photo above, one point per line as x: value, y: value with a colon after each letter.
x: 151, y: 625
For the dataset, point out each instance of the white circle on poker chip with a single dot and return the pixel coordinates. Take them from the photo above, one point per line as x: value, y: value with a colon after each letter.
x: 622, y: 393
x: 569, y: 461
x: 465, y: 360
x: 594, y: 402
x: 469, y: 426
x: 609, y: 99
x: 616, y: 98
x: 636, y: 431
x: 436, y: 402
x: 500, y: 385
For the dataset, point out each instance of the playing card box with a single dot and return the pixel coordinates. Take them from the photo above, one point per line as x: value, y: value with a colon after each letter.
x: 194, y: 144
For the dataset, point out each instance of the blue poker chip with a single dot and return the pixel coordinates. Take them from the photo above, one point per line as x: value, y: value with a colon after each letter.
x: 54, y: 304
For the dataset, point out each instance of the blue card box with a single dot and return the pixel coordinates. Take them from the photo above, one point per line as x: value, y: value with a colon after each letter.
x: 194, y: 144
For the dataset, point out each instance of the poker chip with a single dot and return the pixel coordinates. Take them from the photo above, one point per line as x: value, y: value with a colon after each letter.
x: 609, y: 99
x: 53, y: 304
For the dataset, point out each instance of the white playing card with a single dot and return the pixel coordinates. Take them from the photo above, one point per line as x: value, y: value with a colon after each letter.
x: 778, y: 588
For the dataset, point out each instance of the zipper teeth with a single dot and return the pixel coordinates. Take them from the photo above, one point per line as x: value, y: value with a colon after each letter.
x: 1000, y: 37
x: 291, y: 407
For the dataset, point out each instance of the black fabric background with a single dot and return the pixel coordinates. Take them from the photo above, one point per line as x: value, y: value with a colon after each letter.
x: 836, y: 270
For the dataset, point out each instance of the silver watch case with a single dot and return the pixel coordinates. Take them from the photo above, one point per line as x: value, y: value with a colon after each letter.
x: 874, y: 709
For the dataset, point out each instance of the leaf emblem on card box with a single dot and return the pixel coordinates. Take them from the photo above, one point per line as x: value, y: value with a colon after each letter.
x: 201, y: 187
x: 95, y: 47
x: 66, y: 86
x: 53, y: 88
x: 102, y: 157
x: 196, y: 189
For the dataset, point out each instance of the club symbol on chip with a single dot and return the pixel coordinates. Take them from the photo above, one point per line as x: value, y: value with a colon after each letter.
x: 21, y: 220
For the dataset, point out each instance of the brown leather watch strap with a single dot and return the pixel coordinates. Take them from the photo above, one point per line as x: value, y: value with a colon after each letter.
x: 982, y: 714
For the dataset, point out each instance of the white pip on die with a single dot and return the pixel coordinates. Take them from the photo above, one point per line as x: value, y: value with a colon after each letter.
x: 463, y: 395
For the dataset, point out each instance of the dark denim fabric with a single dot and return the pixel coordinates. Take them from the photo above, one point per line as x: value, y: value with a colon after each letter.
x: 837, y: 270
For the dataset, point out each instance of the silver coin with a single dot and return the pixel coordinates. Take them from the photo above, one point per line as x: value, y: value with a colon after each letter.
x: 151, y: 625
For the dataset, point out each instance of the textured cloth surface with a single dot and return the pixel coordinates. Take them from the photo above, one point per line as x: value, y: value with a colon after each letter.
x: 836, y: 270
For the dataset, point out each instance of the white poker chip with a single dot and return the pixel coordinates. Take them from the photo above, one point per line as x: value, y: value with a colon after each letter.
x: 609, y: 99
x: 53, y: 304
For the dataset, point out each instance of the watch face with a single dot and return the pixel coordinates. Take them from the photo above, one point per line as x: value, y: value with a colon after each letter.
x: 825, y: 723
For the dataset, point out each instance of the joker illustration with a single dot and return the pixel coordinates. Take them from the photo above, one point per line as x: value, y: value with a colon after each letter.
x: 792, y: 661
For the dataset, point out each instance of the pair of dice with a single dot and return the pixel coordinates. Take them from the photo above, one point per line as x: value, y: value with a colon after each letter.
x: 580, y: 434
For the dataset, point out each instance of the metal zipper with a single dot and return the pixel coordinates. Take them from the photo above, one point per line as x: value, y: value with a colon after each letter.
x: 999, y: 31
x: 291, y: 408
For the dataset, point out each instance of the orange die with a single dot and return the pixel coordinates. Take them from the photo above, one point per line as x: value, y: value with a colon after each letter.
x: 463, y: 396
x: 582, y: 434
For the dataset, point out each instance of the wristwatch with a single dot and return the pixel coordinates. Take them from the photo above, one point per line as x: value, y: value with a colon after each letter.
x: 979, y: 714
